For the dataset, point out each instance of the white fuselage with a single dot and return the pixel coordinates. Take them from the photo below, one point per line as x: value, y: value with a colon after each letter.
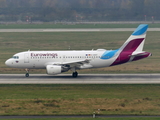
x: 40, y: 59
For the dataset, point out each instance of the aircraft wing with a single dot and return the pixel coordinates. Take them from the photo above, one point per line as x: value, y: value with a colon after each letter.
x: 76, y: 63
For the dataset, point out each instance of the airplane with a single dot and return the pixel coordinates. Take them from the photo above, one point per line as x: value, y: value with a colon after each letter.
x: 56, y: 62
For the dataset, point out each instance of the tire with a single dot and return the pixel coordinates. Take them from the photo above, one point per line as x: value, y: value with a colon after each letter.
x: 27, y: 75
x: 74, y: 74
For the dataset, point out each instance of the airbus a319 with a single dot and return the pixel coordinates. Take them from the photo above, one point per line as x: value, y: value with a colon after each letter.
x: 56, y: 62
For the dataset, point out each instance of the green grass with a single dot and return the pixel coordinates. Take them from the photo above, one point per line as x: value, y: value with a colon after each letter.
x: 11, y: 43
x: 79, y: 99
x: 55, y: 26
x: 78, y: 91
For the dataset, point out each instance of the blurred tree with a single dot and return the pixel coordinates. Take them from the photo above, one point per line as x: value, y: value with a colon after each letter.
x: 2, y: 3
x: 49, y: 10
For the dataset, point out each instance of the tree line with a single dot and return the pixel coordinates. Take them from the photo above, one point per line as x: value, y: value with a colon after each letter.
x: 79, y: 10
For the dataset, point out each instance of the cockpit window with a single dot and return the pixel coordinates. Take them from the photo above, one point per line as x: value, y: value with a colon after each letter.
x: 15, y: 57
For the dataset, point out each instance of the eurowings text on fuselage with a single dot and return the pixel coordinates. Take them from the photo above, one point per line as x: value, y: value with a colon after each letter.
x: 56, y: 62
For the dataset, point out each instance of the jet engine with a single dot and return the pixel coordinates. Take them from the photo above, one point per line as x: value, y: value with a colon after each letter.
x: 56, y: 69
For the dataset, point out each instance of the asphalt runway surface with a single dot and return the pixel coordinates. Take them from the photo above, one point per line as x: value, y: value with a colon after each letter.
x: 75, y: 30
x: 81, y: 79
x: 80, y: 116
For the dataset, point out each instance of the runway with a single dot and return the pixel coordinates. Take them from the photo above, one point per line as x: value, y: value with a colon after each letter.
x: 81, y: 79
x: 75, y: 30
x: 79, y: 116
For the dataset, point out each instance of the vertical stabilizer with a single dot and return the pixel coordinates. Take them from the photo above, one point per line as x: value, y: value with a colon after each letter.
x: 132, y: 49
x: 136, y: 41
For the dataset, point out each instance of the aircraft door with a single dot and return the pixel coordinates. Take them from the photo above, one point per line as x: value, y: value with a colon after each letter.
x: 26, y: 58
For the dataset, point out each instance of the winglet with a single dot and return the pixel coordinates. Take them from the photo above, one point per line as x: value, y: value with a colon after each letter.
x: 141, y: 29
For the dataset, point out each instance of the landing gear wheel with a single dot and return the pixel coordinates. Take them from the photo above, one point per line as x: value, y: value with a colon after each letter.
x: 27, y: 74
x: 74, y: 74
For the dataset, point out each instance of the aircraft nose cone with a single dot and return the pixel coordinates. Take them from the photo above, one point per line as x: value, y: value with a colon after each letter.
x: 7, y: 62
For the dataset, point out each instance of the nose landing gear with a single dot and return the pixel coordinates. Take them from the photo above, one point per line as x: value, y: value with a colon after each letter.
x: 27, y: 74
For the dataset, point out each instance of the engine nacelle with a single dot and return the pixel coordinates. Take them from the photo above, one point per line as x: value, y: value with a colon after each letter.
x: 53, y: 69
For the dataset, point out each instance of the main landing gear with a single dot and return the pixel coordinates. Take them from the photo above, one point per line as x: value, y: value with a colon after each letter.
x: 27, y: 74
x: 75, y: 74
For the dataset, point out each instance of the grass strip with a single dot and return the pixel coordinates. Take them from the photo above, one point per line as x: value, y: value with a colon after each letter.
x: 116, y: 118
x: 79, y: 99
